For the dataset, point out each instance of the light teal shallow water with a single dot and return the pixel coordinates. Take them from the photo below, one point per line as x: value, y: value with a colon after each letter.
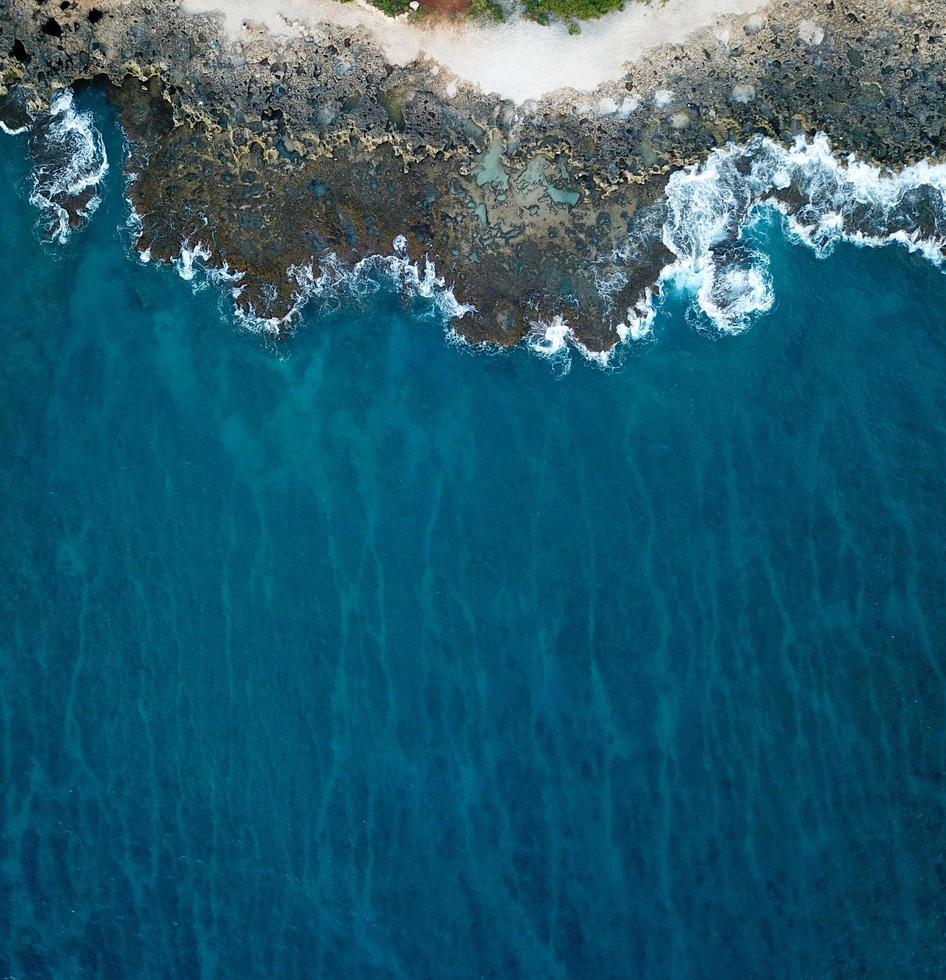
x: 371, y: 657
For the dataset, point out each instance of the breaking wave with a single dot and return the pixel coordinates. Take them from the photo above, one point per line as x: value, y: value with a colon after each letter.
x: 824, y: 200
x: 70, y: 164
x: 708, y: 207
x: 555, y: 340
x: 702, y: 221
x: 333, y: 283
x: 13, y: 131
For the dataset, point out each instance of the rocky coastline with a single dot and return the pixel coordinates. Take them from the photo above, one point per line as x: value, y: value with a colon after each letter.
x: 278, y: 152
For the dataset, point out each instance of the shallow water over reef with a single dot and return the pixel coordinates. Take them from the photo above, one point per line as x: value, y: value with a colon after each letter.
x: 368, y: 656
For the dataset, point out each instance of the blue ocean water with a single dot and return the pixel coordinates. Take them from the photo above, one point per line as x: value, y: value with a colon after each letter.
x: 365, y: 656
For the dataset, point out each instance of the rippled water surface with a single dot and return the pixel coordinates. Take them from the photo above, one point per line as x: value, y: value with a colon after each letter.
x: 371, y: 657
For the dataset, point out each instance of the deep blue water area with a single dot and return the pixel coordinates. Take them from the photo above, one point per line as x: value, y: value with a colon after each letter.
x: 365, y: 656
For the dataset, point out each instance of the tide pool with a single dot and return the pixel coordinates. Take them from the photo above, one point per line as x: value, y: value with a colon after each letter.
x: 362, y: 655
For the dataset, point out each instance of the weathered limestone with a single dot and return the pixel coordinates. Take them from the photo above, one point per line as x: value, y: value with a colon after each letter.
x: 279, y: 151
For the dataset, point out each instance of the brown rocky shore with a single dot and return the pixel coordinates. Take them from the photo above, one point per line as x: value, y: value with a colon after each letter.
x: 278, y: 151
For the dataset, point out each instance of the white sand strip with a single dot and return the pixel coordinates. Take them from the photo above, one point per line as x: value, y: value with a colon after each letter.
x: 519, y: 60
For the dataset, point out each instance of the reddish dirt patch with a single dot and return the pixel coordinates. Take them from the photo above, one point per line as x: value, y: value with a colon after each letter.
x: 446, y: 8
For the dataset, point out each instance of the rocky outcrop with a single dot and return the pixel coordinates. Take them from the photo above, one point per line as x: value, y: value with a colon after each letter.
x: 276, y: 152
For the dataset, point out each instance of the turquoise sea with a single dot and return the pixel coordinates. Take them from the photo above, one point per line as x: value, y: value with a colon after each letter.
x: 365, y: 656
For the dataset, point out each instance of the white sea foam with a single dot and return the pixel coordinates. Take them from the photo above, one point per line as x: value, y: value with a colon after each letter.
x: 333, y: 282
x: 134, y: 224
x: 13, y: 132
x: 423, y: 282
x: 708, y: 207
x: 702, y: 220
x: 825, y: 200
x: 640, y: 318
x: 466, y: 346
x: 555, y: 340
x: 191, y: 259
x: 550, y: 339
x: 73, y: 162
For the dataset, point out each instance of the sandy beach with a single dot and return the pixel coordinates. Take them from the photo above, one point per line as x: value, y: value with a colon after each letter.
x: 518, y: 60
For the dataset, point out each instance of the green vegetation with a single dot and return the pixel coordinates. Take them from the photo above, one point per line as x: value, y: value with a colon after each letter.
x: 392, y: 7
x: 482, y: 9
x: 544, y: 11
x: 486, y: 10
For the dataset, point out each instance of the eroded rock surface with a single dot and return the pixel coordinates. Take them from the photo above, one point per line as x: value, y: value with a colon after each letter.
x: 276, y: 152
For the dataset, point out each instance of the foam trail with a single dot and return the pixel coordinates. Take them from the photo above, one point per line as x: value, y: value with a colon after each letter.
x: 701, y: 221
x: 640, y: 318
x: 134, y: 224
x: 555, y: 340
x: 825, y: 201
x: 425, y: 284
x: 334, y: 281
x: 550, y: 339
x: 13, y: 132
x: 71, y: 162
x: 186, y: 263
